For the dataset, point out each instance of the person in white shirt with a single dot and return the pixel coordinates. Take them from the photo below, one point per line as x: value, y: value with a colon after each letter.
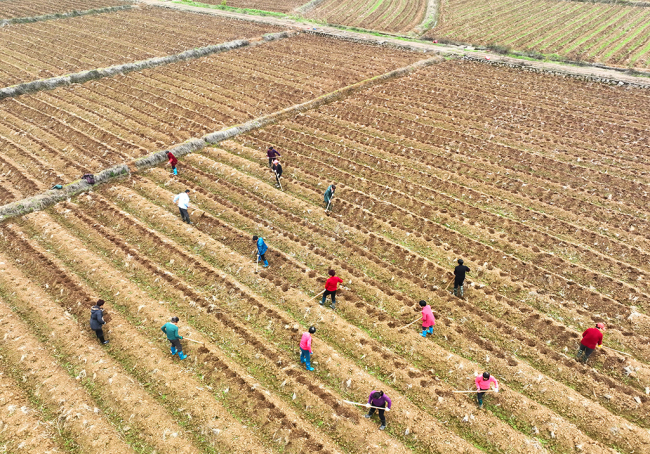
x: 183, y: 201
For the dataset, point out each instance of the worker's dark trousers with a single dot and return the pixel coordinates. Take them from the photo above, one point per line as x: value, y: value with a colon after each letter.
x: 176, y: 343
x: 100, y: 334
x: 262, y: 257
x: 382, y: 418
x: 184, y: 214
x: 332, y: 294
x: 479, y: 397
x: 271, y: 162
x: 586, y: 351
x: 458, y: 288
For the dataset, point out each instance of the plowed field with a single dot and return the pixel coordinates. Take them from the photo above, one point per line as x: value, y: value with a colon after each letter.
x: 399, y: 16
x: 282, y: 6
x: 594, y: 32
x: 54, y: 48
x: 538, y: 182
x: 10, y: 9
x: 57, y: 135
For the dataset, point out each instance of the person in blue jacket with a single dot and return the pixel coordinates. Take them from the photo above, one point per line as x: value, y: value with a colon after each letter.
x: 171, y: 330
x: 261, y: 250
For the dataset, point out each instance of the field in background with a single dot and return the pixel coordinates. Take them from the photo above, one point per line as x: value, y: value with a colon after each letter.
x: 399, y: 16
x: 581, y: 31
x: 10, y: 9
x: 538, y: 181
x: 55, y: 48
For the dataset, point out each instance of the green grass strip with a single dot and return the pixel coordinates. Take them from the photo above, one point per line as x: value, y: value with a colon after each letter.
x: 223, y: 7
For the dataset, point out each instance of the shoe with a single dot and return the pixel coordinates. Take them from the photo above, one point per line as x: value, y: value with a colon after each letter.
x: 266, y: 264
x: 430, y: 330
x: 175, y: 171
x: 173, y: 350
x: 382, y: 427
x: 309, y: 368
x: 105, y: 342
x: 367, y: 416
x: 333, y: 307
x: 480, y: 405
x: 423, y: 334
x: 321, y: 303
x: 182, y: 355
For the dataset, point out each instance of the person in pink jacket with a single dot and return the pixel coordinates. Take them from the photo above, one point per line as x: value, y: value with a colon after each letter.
x: 483, y: 384
x: 305, y: 348
x: 428, y: 320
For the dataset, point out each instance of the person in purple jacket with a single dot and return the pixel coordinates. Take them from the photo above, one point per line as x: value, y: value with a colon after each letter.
x: 378, y: 399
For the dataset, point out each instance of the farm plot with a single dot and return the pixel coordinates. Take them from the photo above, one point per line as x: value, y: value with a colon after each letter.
x: 56, y: 136
x: 399, y: 16
x: 10, y: 9
x: 54, y: 48
x: 594, y: 32
x: 422, y: 179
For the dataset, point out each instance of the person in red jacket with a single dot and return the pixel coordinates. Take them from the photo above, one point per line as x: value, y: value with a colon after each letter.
x: 331, y: 286
x: 172, y: 162
x: 591, y: 339
x: 428, y: 319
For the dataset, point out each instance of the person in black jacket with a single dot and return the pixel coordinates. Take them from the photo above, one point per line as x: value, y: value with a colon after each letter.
x: 277, y: 169
x: 459, y: 272
x: 97, y: 321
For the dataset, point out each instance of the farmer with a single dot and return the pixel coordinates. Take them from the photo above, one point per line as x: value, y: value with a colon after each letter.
x: 331, y: 285
x: 97, y: 320
x: 171, y: 330
x: 329, y: 194
x: 459, y: 272
x: 183, y: 200
x: 271, y: 153
x: 172, y: 162
x: 261, y: 250
x: 305, y: 348
x: 592, y: 338
x: 378, y: 399
x: 428, y: 319
x: 483, y: 384
x: 277, y: 169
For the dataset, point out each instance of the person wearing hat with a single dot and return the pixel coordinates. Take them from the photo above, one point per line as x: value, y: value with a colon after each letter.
x: 592, y: 338
x: 272, y: 153
x: 261, y: 250
x: 172, y: 162
x: 171, y: 330
x: 428, y: 319
x: 305, y: 348
x: 483, y: 384
x: 183, y: 201
x: 97, y: 321
x: 459, y: 279
x: 331, y: 285
x: 379, y: 399
x: 277, y: 169
x: 329, y: 194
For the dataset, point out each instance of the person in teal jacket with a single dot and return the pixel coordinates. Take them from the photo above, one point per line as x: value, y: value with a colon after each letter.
x: 329, y: 194
x: 261, y: 250
x: 171, y: 330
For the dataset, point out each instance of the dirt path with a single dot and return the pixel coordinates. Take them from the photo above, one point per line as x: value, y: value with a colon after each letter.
x: 581, y: 71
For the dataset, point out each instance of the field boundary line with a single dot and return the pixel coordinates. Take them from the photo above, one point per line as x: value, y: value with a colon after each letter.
x: 99, y: 73
x: 73, y: 13
x: 51, y: 197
